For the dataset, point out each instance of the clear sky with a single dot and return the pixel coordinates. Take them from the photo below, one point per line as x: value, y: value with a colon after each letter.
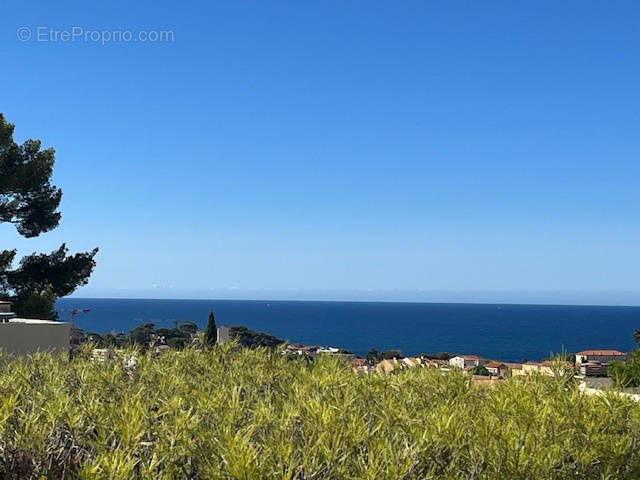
x: 407, y: 150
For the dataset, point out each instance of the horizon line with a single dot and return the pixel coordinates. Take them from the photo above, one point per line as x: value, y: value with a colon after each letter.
x: 426, y: 302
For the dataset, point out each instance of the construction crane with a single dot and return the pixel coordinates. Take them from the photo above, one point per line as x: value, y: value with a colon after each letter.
x: 74, y: 312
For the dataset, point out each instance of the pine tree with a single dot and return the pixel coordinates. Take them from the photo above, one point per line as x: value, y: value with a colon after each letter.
x: 211, y: 332
x: 29, y: 201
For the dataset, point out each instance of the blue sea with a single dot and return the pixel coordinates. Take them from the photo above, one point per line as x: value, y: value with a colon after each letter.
x: 505, y: 332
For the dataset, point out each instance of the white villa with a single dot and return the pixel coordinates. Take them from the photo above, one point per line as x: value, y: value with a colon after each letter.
x: 466, y: 361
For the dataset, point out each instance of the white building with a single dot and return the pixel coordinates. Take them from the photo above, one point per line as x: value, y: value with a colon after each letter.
x: 465, y: 361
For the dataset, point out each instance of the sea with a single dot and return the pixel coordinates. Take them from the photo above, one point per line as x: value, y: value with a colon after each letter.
x: 505, y: 332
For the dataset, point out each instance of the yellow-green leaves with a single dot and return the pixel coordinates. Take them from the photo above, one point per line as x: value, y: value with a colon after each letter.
x: 229, y: 413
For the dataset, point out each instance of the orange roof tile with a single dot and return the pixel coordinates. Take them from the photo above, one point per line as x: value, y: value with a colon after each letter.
x: 604, y: 353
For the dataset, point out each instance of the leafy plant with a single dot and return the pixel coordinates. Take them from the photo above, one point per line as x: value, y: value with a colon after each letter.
x: 237, y: 413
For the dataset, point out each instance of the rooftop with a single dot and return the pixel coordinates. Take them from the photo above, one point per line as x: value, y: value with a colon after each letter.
x: 31, y: 321
x: 495, y: 365
x: 601, y: 352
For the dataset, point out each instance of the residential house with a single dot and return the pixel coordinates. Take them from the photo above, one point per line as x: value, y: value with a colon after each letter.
x: 513, y: 369
x: 360, y: 365
x: 411, y: 362
x: 600, y: 356
x: 439, y: 363
x: 466, y: 361
x: 388, y: 366
x: 496, y: 369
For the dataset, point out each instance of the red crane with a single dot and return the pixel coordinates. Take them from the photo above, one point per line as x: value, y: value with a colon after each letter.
x: 74, y: 312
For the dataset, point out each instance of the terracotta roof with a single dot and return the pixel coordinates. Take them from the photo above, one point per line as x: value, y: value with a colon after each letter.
x: 470, y: 357
x: 439, y: 361
x: 359, y: 362
x: 411, y: 361
x: 495, y: 365
x: 607, y: 353
x: 386, y: 365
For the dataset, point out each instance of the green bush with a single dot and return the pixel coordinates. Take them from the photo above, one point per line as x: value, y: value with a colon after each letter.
x: 232, y: 413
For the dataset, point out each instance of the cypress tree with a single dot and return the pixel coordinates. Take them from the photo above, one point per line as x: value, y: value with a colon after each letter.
x: 211, y: 332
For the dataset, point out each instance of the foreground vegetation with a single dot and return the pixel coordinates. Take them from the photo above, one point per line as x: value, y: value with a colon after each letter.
x: 256, y: 414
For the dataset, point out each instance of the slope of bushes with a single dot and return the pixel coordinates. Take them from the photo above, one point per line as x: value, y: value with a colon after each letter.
x: 254, y: 414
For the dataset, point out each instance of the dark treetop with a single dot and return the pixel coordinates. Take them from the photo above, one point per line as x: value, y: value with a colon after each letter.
x: 29, y: 201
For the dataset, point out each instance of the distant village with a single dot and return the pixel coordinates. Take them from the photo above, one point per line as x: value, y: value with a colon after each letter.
x: 588, y: 363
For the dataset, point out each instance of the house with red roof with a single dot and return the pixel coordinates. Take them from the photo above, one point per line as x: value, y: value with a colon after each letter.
x: 599, y: 356
x: 497, y: 369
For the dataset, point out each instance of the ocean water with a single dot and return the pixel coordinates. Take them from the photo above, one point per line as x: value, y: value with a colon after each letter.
x: 505, y: 332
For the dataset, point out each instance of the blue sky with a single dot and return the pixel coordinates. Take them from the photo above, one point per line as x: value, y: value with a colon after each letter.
x: 479, y: 151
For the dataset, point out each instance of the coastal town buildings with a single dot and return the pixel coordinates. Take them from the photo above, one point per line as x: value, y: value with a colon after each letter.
x: 466, y: 361
x: 497, y: 369
x: 404, y: 363
x: 315, y: 351
x: 361, y: 365
x: 600, y: 356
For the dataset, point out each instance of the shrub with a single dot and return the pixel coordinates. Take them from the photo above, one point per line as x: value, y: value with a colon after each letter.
x: 233, y: 413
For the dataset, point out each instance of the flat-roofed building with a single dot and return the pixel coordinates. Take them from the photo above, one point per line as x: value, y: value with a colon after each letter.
x: 21, y: 336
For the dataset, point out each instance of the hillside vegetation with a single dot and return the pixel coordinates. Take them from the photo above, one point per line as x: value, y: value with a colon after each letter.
x: 255, y: 414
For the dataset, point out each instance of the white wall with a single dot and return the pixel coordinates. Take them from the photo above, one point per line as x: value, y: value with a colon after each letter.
x: 21, y: 337
x: 457, y: 362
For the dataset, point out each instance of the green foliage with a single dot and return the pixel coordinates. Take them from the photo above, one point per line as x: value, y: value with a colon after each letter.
x: 480, y: 370
x: 29, y: 201
x: 626, y: 374
x: 228, y: 413
x: 438, y: 356
x: 36, y: 304
x: 60, y: 272
x: 27, y: 197
x: 389, y: 354
x: 621, y: 376
x: 211, y: 332
x: 189, y: 328
x: 252, y: 339
x: 143, y: 336
x: 373, y: 356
